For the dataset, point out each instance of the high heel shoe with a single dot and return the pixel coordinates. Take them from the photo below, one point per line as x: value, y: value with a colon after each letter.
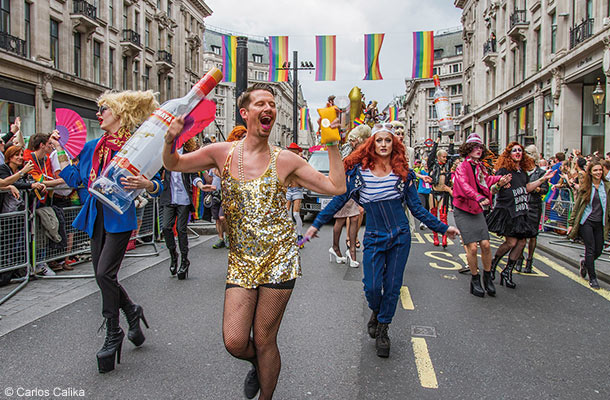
x: 183, y: 271
x: 494, y: 265
x: 528, y: 266
x: 111, y: 350
x: 173, y: 264
x: 338, y: 260
x: 507, y: 275
x: 488, y: 284
x: 134, y: 313
x: 475, y: 286
x: 350, y: 262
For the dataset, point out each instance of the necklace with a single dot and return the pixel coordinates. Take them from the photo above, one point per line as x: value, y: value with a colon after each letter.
x: 240, y: 161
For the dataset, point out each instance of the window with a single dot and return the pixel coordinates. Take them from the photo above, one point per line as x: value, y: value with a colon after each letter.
x: 216, y: 49
x: 125, y: 73
x: 136, y: 75
x: 436, y: 71
x: 55, y: 43
x: 147, y: 33
x: 28, y: 34
x: 459, y: 49
x: 456, y: 109
x: 125, y: 13
x: 111, y: 12
x: 220, y: 110
x: 538, y: 49
x: 97, y: 49
x: 77, y: 54
x: 159, y: 86
x: 159, y: 4
x: 514, y: 54
x: 431, y: 93
x: 168, y: 93
x: 553, y: 33
x: 432, y: 131
x: 523, y: 60
x: 5, y: 16
x: 169, y: 43
x: 455, y: 68
x: 257, y: 58
x: 159, y: 39
x: 431, y: 112
x: 456, y: 90
x: 169, y: 8
x: 146, y: 77
x: 111, y: 68
x: 589, y: 9
x: 438, y: 54
x: 136, y: 22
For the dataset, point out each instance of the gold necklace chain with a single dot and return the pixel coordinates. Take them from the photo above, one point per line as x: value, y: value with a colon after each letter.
x: 240, y: 161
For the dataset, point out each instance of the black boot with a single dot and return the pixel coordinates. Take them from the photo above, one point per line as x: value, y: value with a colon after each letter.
x: 251, y: 384
x: 519, y: 264
x: 112, y: 346
x: 488, y: 283
x: 528, y: 266
x: 134, y: 313
x: 583, y: 269
x: 475, y: 286
x: 507, y: 274
x: 494, y: 264
x: 183, y: 271
x: 372, y: 325
x: 382, y: 341
x: 173, y: 265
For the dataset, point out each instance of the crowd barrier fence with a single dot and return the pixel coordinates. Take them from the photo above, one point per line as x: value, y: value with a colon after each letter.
x: 14, y: 236
x: 147, y: 217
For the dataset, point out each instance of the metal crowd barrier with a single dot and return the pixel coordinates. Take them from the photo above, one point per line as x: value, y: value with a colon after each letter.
x: 555, y: 215
x: 14, y: 237
x: 148, y: 216
x: 159, y: 231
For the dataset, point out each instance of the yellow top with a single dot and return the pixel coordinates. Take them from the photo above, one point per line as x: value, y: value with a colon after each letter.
x: 262, y: 240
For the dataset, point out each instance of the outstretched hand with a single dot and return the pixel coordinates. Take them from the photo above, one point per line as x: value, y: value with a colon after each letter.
x: 452, y: 232
x: 174, y: 130
x: 311, y: 233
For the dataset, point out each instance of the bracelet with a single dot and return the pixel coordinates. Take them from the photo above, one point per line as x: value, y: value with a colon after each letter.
x: 61, y: 152
x: 498, y: 187
x: 332, y: 143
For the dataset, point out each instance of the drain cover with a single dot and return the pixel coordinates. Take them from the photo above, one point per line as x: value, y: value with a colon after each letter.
x: 427, y: 331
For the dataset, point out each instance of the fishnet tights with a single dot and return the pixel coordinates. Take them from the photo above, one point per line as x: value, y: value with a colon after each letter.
x: 259, y: 311
x: 514, y: 245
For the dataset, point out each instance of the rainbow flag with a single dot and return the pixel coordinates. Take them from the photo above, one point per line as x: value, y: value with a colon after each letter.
x: 372, y: 47
x: 522, y: 120
x: 550, y: 195
x: 229, y: 58
x: 326, y: 58
x: 304, y: 126
x: 198, y: 196
x: 393, y: 113
x: 423, y: 54
x: 358, y: 121
x: 278, y: 55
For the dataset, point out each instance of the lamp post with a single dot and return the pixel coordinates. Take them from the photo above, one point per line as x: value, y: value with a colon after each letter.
x: 305, y: 65
x: 410, y: 132
x: 548, y: 114
x: 598, y: 97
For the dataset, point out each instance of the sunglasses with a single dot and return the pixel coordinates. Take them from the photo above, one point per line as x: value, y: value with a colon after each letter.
x: 102, y: 109
x: 386, y: 125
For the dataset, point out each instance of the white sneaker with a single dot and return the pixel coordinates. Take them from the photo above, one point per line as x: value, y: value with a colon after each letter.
x: 43, y: 269
x: 422, y: 226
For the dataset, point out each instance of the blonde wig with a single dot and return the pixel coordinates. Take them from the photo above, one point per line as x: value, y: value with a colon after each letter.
x: 132, y: 107
x: 360, y: 133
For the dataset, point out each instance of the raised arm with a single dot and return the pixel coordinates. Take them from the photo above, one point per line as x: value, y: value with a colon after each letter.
x: 306, y: 176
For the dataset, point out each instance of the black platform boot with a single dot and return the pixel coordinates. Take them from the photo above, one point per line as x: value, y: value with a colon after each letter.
x: 494, y: 264
x: 112, y: 346
x: 134, y: 313
x: 173, y: 265
x: 475, y: 286
x: 183, y: 271
x: 519, y: 264
x: 528, y: 266
x: 372, y: 325
x: 507, y: 274
x: 382, y: 340
x: 488, y: 283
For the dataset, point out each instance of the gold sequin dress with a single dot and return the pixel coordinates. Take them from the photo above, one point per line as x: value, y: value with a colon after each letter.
x: 262, y: 240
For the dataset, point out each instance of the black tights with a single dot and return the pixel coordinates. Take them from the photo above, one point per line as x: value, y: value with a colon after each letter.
x: 257, y: 311
x: 514, y: 245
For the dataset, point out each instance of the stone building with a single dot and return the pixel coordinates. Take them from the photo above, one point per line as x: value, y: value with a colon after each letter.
x: 524, y: 60
x: 65, y: 53
x: 419, y: 114
x: 258, y: 71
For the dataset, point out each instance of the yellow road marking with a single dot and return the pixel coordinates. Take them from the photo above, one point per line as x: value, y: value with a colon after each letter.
x: 440, y: 256
x: 535, y: 271
x: 573, y: 276
x: 417, y: 239
x: 405, y: 299
x: 425, y: 369
x: 430, y: 238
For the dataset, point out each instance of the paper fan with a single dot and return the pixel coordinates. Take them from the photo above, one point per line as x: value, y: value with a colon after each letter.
x: 196, y: 121
x: 72, y: 131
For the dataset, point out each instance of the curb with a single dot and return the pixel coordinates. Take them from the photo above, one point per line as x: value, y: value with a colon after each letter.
x: 569, y: 261
x: 203, y: 229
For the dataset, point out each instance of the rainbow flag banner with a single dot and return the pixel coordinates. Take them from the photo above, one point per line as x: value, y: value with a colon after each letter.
x: 393, y: 113
x: 229, y: 58
x: 278, y: 55
x: 372, y: 47
x: 326, y: 58
x: 358, y: 121
x: 423, y: 54
x: 304, y: 126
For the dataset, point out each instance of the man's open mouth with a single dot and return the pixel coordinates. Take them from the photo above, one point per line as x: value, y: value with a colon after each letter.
x: 266, y: 122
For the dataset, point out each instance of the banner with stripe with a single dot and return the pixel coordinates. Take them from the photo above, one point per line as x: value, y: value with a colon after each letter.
x: 372, y: 47
x: 278, y: 55
x: 393, y: 113
x: 304, y: 126
x: 326, y: 58
x: 423, y: 54
x: 229, y: 58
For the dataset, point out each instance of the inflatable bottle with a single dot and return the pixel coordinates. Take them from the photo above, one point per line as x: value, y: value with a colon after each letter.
x: 443, y: 109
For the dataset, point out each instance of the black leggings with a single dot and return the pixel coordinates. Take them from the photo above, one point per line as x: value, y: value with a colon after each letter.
x: 592, y: 234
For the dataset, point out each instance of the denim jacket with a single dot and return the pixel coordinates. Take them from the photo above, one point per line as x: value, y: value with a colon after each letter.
x: 602, y: 199
x: 408, y: 195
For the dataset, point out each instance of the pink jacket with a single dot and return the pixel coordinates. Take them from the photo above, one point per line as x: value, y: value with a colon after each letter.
x: 466, y: 197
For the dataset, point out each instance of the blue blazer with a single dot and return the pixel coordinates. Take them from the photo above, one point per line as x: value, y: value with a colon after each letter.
x: 78, y: 174
x: 408, y: 196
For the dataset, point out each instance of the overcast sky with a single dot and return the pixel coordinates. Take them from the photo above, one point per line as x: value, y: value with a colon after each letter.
x: 349, y: 20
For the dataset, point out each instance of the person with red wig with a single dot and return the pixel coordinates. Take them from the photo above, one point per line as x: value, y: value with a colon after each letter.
x: 509, y: 218
x: 379, y: 180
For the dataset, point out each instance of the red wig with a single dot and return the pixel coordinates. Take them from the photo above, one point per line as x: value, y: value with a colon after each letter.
x: 366, y: 156
x: 505, y: 160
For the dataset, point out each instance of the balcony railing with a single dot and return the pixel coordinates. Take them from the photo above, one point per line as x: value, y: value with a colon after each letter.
x: 518, y: 17
x: 489, y: 46
x: 84, y: 8
x: 581, y: 33
x: 164, y: 56
x: 13, y: 44
x: 131, y: 36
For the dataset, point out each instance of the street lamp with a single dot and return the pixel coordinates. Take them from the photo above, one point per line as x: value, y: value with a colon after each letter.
x: 548, y: 114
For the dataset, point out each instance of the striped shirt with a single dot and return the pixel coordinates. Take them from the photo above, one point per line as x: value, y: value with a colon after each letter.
x: 378, y: 188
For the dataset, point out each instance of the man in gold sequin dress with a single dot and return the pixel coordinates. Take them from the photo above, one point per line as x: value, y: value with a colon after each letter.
x: 263, y: 255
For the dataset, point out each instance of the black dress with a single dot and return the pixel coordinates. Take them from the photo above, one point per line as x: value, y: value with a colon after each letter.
x: 535, y: 200
x: 510, y: 214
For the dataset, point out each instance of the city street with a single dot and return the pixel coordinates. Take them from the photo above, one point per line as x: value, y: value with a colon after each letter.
x: 547, y: 339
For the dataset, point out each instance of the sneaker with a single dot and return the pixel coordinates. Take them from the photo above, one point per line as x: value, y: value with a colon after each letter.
x: 422, y: 227
x: 593, y: 283
x: 219, y: 245
x: 251, y: 384
x: 43, y: 269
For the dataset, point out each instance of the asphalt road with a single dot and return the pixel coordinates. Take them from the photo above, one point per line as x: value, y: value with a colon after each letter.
x: 547, y: 339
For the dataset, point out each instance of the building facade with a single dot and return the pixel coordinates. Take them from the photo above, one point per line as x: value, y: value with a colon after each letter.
x: 258, y: 71
x: 524, y: 59
x: 65, y: 53
x: 419, y: 114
